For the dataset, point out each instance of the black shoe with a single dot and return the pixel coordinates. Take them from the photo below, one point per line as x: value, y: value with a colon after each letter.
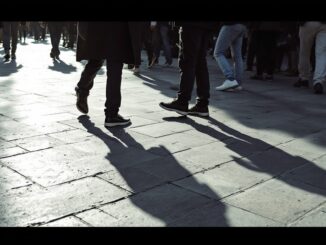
x: 175, y: 106
x: 198, y: 110
x: 7, y: 57
x: 13, y: 56
x: 116, y: 121
x: 301, y: 83
x: 52, y: 55
x: 318, y: 88
x: 81, y: 103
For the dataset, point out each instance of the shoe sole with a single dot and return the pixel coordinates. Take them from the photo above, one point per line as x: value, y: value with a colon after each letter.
x: 226, y: 89
x: 183, y: 113
x: 202, y: 114
x: 116, y: 124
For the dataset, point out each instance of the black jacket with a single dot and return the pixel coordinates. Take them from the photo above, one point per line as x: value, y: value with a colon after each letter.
x: 104, y: 40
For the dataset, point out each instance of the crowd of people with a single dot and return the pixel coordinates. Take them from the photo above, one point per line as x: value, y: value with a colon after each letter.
x: 261, y: 47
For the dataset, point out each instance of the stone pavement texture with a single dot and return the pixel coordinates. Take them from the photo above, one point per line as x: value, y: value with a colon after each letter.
x: 260, y: 159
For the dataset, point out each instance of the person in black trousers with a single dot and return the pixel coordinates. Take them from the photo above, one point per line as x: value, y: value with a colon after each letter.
x: 99, y: 41
x: 55, y: 29
x: 194, y: 39
x: 267, y: 34
x: 10, y: 39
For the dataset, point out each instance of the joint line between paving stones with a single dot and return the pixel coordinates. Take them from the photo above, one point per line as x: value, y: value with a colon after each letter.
x: 26, y: 177
x: 306, y: 213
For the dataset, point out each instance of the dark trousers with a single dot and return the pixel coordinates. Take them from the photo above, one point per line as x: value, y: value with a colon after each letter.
x: 10, y: 33
x: 113, y: 83
x: 193, y: 65
x: 252, y: 49
x: 266, y: 52
x: 55, y: 29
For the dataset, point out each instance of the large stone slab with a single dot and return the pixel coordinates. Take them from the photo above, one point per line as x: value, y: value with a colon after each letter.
x: 31, y: 206
x: 11, y: 180
x: 98, y: 218
x: 70, y: 221
x: 282, y: 200
x: 132, y: 179
x: 223, y: 181
x: 156, y: 207
x: 314, y: 219
x: 209, y: 155
x: 313, y: 173
x: 162, y: 129
x: 221, y: 215
x: 53, y: 166
x: 37, y: 143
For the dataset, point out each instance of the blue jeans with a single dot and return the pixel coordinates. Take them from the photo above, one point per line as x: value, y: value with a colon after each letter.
x: 230, y: 36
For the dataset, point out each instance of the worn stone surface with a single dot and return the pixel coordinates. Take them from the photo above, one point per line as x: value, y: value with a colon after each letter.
x: 225, y: 180
x: 283, y: 200
x: 155, y: 207
x: 34, y: 206
x: 218, y: 215
x: 61, y: 168
x: 70, y: 221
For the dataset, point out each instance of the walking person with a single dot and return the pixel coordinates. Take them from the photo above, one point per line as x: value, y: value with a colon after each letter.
x: 99, y: 41
x: 10, y: 39
x: 194, y: 39
x: 231, y: 36
x: 55, y: 29
x: 311, y: 32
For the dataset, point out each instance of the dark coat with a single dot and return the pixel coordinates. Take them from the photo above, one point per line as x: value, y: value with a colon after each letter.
x: 104, y: 40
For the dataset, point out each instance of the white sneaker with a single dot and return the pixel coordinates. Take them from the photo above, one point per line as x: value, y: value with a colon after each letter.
x: 228, y: 84
x: 239, y: 88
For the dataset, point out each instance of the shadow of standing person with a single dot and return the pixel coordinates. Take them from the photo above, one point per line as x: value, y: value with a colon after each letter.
x: 156, y: 199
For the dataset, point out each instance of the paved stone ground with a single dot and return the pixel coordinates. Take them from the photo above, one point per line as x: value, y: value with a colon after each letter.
x: 259, y: 161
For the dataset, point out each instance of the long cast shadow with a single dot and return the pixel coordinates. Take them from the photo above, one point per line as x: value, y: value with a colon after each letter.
x: 61, y: 66
x: 149, y: 201
x: 276, y: 163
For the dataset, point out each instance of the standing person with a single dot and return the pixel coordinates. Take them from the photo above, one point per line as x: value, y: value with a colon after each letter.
x: 164, y: 29
x: 22, y: 31
x: 267, y: 34
x: 10, y: 39
x: 311, y: 32
x: 194, y: 39
x: 136, y: 32
x: 231, y: 36
x: 99, y: 41
x: 55, y: 29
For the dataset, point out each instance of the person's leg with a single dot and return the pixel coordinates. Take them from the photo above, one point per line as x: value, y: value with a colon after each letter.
x: 57, y: 36
x: 223, y: 42
x: 166, y: 44
x: 306, y: 42
x: 270, y: 51
x: 260, y: 55
x: 320, y: 70
x: 113, y: 88
x: 14, y: 38
x: 190, y: 41
x: 86, y: 83
x: 236, y: 48
x: 252, y: 47
x: 6, y: 37
x: 202, y: 76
